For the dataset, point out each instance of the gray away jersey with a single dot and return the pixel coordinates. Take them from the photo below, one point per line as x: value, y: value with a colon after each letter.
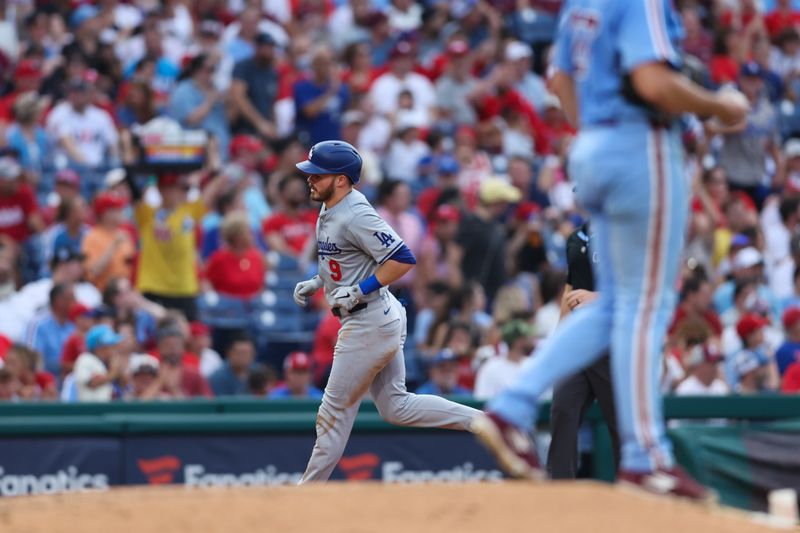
x: 352, y: 241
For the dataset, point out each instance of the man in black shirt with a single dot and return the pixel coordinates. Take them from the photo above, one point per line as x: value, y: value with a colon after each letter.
x: 573, y: 396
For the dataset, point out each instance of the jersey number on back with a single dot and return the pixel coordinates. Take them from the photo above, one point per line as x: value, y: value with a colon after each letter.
x: 385, y: 239
x: 336, y: 270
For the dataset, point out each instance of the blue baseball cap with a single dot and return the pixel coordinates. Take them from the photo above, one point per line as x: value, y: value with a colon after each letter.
x: 752, y: 69
x: 448, y: 165
x: 82, y: 14
x: 445, y: 356
x: 100, y: 336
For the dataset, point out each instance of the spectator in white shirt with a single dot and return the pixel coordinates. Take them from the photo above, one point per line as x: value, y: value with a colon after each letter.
x: 702, y: 362
x: 501, y: 370
x: 97, y: 369
x: 400, y: 76
x: 84, y: 133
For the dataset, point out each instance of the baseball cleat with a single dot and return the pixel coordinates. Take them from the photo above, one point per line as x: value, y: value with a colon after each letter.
x: 513, y: 449
x: 668, y: 482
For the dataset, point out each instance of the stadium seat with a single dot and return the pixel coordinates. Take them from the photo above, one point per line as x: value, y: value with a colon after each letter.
x: 220, y: 311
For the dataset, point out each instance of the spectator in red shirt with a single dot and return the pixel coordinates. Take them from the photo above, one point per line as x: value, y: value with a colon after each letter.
x: 695, y: 306
x: 238, y: 268
x: 35, y: 384
x: 27, y: 77
x: 180, y: 380
x: 724, y: 64
x: 447, y: 169
x: 83, y: 318
x: 359, y: 74
x: 287, y: 231
x: 781, y: 18
x: 791, y: 381
x: 19, y: 212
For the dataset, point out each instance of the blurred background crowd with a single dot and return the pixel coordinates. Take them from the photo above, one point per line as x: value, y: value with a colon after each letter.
x: 120, y: 285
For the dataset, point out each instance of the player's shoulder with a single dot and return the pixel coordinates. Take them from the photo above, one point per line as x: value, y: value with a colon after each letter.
x: 357, y: 204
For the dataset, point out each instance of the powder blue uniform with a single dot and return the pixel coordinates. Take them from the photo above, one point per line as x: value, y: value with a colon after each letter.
x: 629, y: 176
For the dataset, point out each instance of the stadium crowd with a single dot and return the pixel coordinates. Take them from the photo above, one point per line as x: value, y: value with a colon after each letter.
x: 118, y: 285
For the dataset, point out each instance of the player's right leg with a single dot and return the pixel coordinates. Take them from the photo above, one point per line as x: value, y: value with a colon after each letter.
x: 398, y: 406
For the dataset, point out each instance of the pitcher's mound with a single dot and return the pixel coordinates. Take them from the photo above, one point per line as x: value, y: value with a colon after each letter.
x: 369, y: 508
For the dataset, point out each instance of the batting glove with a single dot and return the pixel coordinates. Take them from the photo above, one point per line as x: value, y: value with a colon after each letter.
x: 304, y: 289
x: 346, y: 297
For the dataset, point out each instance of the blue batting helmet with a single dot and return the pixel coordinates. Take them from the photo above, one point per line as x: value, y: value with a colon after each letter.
x: 333, y: 157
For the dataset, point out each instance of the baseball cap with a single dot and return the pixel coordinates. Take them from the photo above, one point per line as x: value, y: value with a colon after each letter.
x: 198, y: 329
x: 353, y: 116
x: 792, y: 148
x: 448, y: 165
x: 26, y: 69
x: 65, y: 254
x: 298, y: 362
x: 747, y: 258
x: 751, y: 69
x: 445, y: 356
x: 457, y: 48
x: 141, y: 363
x: 494, y: 190
x: 67, y: 176
x: 211, y: 27
x: 740, y: 240
x: 77, y: 309
x: 447, y: 213
x: 108, y: 200
x: 515, y: 330
x: 517, y: 50
x: 245, y: 143
x: 100, y: 336
x: 114, y: 177
x: 10, y: 169
x: 462, y: 8
x: 703, y: 353
x: 745, y: 362
x: 790, y: 317
x: 265, y: 38
x: 401, y: 49
x: 83, y: 13
x: 749, y: 324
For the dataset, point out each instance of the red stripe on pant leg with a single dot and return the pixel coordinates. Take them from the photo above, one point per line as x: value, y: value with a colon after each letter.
x: 652, y: 277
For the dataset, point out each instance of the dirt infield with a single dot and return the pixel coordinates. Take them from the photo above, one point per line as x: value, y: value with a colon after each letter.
x: 367, y: 508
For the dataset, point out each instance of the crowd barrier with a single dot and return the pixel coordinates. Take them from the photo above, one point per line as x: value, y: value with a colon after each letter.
x: 741, y: 446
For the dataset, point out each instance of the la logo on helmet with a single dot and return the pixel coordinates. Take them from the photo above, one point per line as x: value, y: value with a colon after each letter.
x: 311, y: 153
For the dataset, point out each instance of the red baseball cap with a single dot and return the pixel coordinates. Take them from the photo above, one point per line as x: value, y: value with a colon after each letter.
x: 749, y: 324
x: 447, y: 213
x: 791, y: 316
x: 401, y: 49
x: 198, y: 329
x: 67, y: 176
x: 245, y: 143
x: 77, y: 309
x: 168, y: 179
x: 105, y: 201
x: 26, y: 69
x: 297, y: 361
x: 458, y: 48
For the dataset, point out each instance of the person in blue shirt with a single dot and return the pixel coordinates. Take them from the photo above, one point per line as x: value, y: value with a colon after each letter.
x: 297, y: 378
x: 231, y: 378
x: 321, y: 100
x: 443, y: 377
x: 789, y: 351
x: 49, y: 330
x: 197, y: 104
x: 616, y: 73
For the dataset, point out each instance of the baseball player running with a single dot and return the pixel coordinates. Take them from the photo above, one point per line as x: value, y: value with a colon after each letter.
x: 616, y: 75
x: 359, y: 256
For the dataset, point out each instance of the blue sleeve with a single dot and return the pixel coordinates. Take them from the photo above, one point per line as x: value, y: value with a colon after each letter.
x: 181, y: 103
x: 304, y: 93
x: 404, y: 255
x: 239, y: 71
x: 562, y: 56
x: 647, y: 33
